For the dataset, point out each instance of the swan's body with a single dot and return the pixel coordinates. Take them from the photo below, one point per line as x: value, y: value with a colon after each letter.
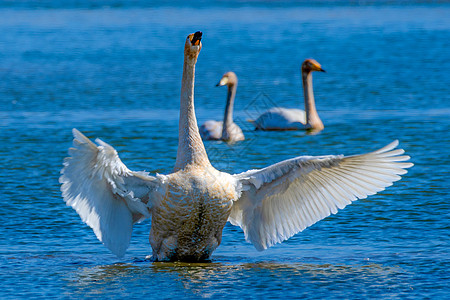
x: 190, y: 206
x: 278, y: 118
x: 192, y: 214
x: 225, y: 130
x: 213, y: 130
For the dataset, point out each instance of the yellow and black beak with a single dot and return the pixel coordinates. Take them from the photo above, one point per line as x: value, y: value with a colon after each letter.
x: 318, y: 67
x: 196, y: 38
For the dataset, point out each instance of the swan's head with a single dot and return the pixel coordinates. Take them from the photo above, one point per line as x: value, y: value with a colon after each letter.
x: 310, y: 65
x: 193, y: 45
x: 228, y: 79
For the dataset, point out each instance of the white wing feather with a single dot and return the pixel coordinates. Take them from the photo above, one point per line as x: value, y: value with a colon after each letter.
x: 105, y: 193
x: 283, y: 199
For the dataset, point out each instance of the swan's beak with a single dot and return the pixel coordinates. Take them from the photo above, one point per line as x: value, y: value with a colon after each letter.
x: 223, y: 81
x: 322, y: 70
x: 196, y: 38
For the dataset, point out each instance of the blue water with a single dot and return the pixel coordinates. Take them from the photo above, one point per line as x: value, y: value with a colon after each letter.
x: 113, y: 70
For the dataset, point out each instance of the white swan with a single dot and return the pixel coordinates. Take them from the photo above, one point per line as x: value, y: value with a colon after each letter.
x: 190, y: 206
x: 278, y: 118
x: 231, y: 132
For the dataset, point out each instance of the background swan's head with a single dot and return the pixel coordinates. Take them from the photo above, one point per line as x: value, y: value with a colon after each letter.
x: 311, y: 65
x: 228, y: 79
x: 193, y: 45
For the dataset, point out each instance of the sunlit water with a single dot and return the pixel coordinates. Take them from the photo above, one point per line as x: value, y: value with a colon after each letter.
x: 114, y: 73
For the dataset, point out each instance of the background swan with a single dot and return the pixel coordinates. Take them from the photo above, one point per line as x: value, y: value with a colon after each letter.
x: 278, y: 118
x: 190, y: 206
x: 225, y: 130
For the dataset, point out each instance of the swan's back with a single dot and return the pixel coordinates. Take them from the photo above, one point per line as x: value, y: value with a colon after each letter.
x: 211, y: 130
x: 278, y: 118
x: 187, y: 225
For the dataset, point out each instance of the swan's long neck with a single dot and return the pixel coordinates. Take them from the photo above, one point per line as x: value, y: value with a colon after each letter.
x: 228, y: 117
x: 191, y: 150
x: 312, y: 117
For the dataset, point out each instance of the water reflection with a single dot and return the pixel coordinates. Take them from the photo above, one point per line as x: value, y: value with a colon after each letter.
x: 211, y: 279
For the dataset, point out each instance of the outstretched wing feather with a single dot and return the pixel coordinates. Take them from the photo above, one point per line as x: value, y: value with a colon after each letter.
x: 104, y: 192
x: 283, y: 199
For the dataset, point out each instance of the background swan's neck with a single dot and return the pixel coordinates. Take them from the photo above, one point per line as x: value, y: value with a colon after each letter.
x: 312, y: 117
x: 228, y: 117
x: 191, y: 150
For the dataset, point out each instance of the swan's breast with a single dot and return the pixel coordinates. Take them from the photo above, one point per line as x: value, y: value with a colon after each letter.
x: 189, y: 221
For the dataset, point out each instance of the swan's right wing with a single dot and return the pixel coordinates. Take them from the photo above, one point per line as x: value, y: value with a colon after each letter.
x: 108, y: 196
x: 283, y: 199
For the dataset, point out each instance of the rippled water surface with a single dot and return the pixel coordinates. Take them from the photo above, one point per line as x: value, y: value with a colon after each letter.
x: 114, y: 72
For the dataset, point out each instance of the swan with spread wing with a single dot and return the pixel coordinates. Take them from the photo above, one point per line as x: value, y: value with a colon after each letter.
x: 190, y: 207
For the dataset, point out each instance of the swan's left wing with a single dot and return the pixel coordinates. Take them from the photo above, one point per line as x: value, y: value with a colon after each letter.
x: 283, y: 199
x: 108, y: 196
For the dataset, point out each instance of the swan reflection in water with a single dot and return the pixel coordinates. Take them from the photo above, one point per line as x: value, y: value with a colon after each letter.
x: 210, y: 279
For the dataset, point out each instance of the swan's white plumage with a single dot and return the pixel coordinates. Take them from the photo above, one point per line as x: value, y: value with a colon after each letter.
x: 271, y: 204
x: 212, y: 130
x: 283, y: 199
x: 280, y: 118
x: 104, y: 192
